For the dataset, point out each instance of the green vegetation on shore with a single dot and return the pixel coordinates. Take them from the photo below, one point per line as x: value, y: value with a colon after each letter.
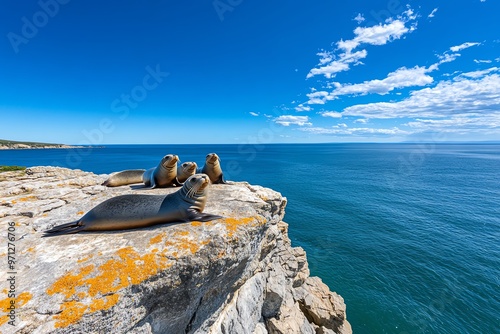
x: 13, y: 142
x: 11, y: 168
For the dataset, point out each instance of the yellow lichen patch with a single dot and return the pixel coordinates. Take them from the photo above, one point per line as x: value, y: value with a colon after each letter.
x: 66, y: 285
x: 104, y: 303
x: 100, y: 285
x: 232, y: 224
x: 29, y: 250
x: 182, y: 233
x: 13, y: 201
x: 192, y: 246
x: 157, y: 239
x: 28, y: 198
x: 80, y: 213
x: 72, y: 311
x: 20, y: 301
x: 196, y: 224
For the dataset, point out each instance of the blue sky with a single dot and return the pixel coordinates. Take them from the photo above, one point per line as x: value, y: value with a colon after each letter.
x: 236, y: 71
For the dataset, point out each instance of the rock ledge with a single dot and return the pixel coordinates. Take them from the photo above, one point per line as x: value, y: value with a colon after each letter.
x: 233, y: 275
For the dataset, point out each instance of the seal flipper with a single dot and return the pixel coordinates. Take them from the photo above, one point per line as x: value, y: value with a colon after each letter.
x: 220, y: 180
x: 68, y: 228
x: 201, y: 217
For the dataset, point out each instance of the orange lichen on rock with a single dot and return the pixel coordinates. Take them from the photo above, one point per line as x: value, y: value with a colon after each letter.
x: 232, y: 224
x: 67, y: 284
x: 29, y: 250
x: 72, y: 311
x: 80, y: 213
x: 157, y: 238
x: 20, y: 301
x: 196, y: 224
x: 28, y: 198
x: 100, y: 285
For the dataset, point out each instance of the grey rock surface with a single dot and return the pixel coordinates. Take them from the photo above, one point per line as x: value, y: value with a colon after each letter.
x: 238, y: 274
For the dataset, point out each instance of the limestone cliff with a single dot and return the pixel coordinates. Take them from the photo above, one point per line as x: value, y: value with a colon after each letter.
x: 239, y: 274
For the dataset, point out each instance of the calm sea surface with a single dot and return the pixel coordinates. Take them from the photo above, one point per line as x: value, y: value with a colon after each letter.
x: 408, y: 234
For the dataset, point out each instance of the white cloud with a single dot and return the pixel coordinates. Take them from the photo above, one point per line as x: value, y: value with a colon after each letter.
x: 463, y: 46
x: 448, y: 58
x: 361, y: 120
x: 432, y: 14
x: 402, y: 77
x: 478, y: 74
x: 254, y: 113
x: 497, y: 59
x: 301, y: 107
x: 457, y: 96
x: 333, y: 114
x: 340, y: 125
x: 287, y: 120
x: 355, y: 131
x: 359, y: 18
x: 381, y: 34
x: 482, y: 124
x: 336, y: 66
x: 481, y: 61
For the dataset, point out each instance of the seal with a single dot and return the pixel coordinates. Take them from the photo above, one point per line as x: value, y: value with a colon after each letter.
x: 135, y: 211
x: 213, y: 169
x: 185, y: 170
x: 125, y: 177
x: 164, y: 175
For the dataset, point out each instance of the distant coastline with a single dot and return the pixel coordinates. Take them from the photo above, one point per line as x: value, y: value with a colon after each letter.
x: 19, y: 145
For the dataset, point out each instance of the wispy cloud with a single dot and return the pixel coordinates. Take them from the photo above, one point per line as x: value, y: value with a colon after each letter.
x: 254, y: 113
x: 359, y: 18
x: 287, y: 120
x: 301, y: 107
x: 479, y: 74
x: 343, y: 131
x: 483, y: 61
x: 333, y: 62
x: 332, y: 114
x: 433, y: 13
x: 463, y: 46
x: 401, y: 78
x: 480, y: 95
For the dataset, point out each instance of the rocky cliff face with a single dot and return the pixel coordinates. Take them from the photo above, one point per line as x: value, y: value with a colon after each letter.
x: 239, y: 274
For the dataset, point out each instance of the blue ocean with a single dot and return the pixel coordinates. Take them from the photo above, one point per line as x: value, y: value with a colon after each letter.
x: 408, y: 234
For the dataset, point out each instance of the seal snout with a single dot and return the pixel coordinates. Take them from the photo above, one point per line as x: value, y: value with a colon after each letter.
x: 170, y: 160
x: 212, y: 157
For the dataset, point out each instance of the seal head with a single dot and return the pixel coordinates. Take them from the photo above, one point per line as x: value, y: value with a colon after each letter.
x: 185, y: 170
x: 164, y: 175
x: 213, y: 169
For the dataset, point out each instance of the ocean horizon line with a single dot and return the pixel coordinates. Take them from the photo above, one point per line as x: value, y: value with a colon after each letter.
x: 302, y: 143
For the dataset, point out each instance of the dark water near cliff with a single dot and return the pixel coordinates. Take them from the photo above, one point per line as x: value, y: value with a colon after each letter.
x: 408, y: 234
